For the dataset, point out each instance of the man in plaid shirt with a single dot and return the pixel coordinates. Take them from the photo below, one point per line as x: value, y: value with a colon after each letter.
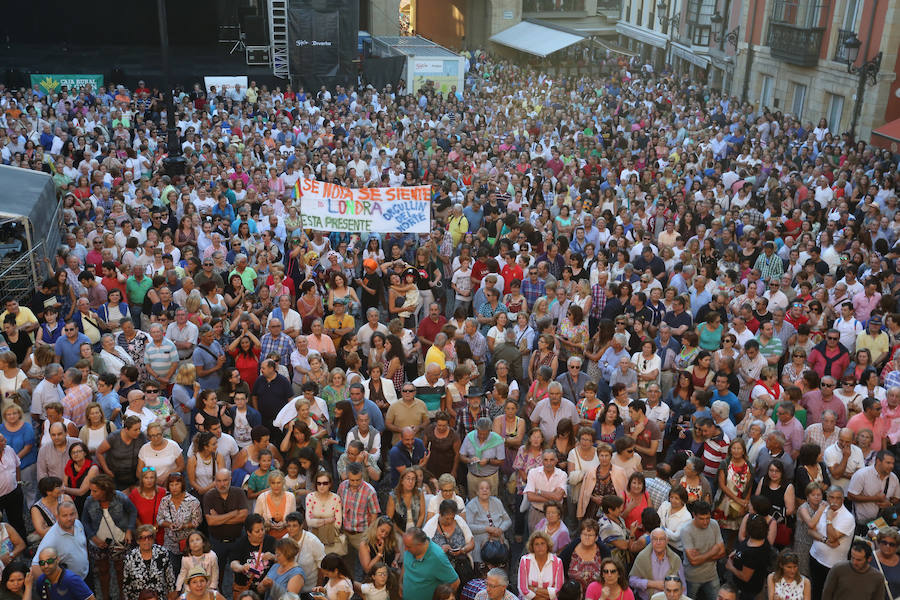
x: 359, y: 503
x: 276, y: 341
x: 769, y: 264
x: 475, y: 410
x: 533, y: 287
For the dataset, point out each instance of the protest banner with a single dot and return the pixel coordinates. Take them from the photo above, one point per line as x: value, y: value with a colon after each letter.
x: 330, y: 207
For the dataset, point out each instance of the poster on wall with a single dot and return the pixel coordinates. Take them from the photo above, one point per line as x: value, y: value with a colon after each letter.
x: 51, y: 83
x: 443, y: 74
x: 329, y: 207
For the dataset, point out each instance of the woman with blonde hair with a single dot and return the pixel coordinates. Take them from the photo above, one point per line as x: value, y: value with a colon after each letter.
x: 335, y: 391
x: 275, y: 504
x: 380, y: 544
x: 185, y: 392
x: 539, y: 568
x: 96, y: 427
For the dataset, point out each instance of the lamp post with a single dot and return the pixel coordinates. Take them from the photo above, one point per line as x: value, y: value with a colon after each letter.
x: 174, y: 163
x: 867, y: 71
x: 731, y: 37
x: 665, y: 21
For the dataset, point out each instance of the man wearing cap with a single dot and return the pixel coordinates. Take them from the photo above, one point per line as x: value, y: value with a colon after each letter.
x: 339, y: 323
x: 483, y: 451
x: 873, y: 339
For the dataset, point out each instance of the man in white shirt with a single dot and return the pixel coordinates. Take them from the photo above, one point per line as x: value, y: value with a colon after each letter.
x: 775, y: 296
x: 848, y: 326
x: 290, y: 319
x: 227, y: 446
x: 544, y: 484
x: 843, y: 459
x: 874, y: 487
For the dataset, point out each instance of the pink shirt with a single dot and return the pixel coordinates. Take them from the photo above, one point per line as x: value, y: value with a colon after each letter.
x: 864, y: 305
x: 860, y: 421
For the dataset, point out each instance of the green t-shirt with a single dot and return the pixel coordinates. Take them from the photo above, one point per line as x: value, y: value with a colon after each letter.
x: 422, y: 576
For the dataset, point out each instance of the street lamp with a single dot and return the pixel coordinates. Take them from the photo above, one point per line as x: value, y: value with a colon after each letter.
x: 867, y: 71
x: 731, y: 37
x: 174, y: 163
x: 662, y: 13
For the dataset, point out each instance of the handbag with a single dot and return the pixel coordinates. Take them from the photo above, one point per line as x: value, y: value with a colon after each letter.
x: 179, y: 431
x: 783, y: 534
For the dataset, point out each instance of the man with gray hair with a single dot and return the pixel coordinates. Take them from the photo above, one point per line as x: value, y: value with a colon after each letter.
x: 483, y: 450
x: 160, y: 356
x: 613, y: 354
x: 370, y: 328
x: 431, y: 387
x: 775, y: 443
x: 46, y: 391
x: 551, y: 410
x: 720, y: 413
x: 496, y: 584
x: 573, y: 380
x: 244, y: 271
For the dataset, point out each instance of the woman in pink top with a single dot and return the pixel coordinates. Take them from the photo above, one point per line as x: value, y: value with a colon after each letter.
x: 540, y: 569
x: 613, y: 582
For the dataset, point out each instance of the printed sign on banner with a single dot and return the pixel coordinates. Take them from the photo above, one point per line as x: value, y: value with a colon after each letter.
x: 51, y: 82
x: 330, y: 207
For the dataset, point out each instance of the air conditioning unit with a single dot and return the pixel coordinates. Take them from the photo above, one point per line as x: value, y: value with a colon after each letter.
x: 258, y: 56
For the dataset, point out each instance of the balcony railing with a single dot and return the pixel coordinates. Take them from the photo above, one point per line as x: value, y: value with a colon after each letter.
x: 840, y: 51
x: 553, y: 6
x: 796, y: 45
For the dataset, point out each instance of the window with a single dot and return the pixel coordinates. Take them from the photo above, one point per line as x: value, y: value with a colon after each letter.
x: 835, y: 112
x: 765, y: 93
x: 799, y: 101
x: 640, y: 17
x: 851, y: 15
x: 628, y: 13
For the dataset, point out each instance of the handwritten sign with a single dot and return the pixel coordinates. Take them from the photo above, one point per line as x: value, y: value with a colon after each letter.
x: 329, y: 207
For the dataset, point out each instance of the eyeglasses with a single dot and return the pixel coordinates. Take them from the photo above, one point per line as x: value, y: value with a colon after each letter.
x: 47, y: 561
x: 887, y: 543
x: 68, y: 329
x: 145, y: 537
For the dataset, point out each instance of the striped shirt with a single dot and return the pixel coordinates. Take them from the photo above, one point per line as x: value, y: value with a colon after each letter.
x: 160, y: 358
x: 75, y: 402
x: 359, y: 506
x: 714, y: 451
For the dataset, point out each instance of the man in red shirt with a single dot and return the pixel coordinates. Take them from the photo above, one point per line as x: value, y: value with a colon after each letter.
x: 110, y: 279
x: 431, y: 326
x: 511, y: 271
x: 479, y: 269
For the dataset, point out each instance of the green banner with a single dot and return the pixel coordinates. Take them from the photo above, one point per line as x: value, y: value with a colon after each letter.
x: 50, y: 83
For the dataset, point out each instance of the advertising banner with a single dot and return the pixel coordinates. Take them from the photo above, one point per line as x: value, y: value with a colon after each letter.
x: 224, y: 83
x: 50, y: 83
x: 330, y: 207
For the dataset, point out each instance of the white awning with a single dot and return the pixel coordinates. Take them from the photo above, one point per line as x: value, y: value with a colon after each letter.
x: 536, y: 39
x: 687, y: 54
x: 641, y: 34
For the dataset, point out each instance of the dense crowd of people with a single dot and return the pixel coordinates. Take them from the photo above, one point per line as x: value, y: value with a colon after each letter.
x: 648, y: 349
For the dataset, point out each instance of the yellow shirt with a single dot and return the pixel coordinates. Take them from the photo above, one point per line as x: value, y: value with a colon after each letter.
x: 436, y: 355
x: 458, y: 228
x: 333, y: 322
x: 876, y: 346
x: 24, y: 317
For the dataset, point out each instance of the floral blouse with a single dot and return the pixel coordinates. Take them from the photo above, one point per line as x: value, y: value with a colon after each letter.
x: 187, y: 513
x: 577, y: 334
x: 135, y: 349
x: 523, y: 463
x: 155, y: 575
x: 585, y: 571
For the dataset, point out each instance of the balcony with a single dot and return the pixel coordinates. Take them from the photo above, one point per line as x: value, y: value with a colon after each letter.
x: 796, y: 45
x: 840, y: 51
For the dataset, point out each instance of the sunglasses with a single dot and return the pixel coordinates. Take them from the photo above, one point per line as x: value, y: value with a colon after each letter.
x: 610, y: 571
x: 832, y: 339
x: 322, y: 483
x: 145, y: 537
x: 151, y: 390
x: 828, y: 385
x: 45, y: 562
x: 887, y: 543
x: 145, y: 469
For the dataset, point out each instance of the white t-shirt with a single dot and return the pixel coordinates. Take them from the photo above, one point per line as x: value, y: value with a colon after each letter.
x: 434, y: 503
x: 826, y: 555
x: 161, y: 460
x: 855, y: 462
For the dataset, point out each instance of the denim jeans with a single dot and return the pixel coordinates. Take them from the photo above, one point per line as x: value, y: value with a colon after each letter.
x: 703, y: 590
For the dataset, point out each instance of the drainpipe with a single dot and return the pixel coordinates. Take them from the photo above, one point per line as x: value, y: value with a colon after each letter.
x: 749, y: 65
